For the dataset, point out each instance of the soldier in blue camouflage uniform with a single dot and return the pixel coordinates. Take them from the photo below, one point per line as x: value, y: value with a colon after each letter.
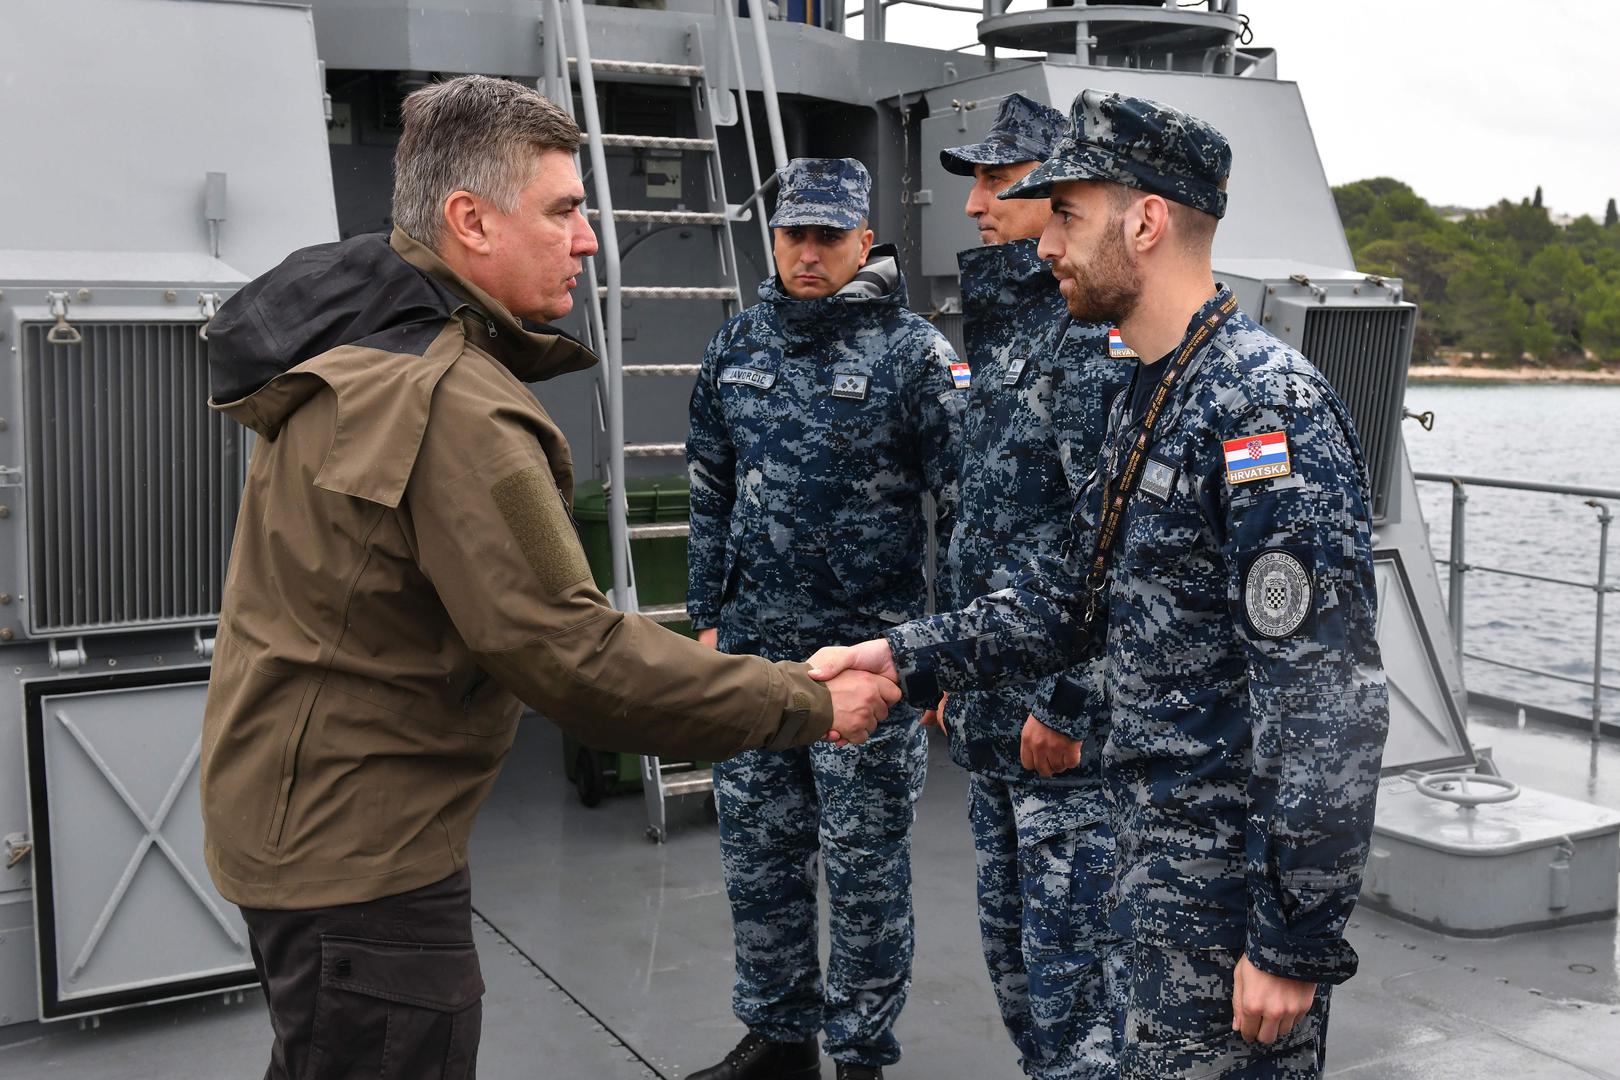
x: 819, y: 419
x: 1234, y: 604
x: 1042, y: 384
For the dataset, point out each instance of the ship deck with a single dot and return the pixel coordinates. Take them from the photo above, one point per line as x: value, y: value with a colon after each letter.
x: 609, y: 957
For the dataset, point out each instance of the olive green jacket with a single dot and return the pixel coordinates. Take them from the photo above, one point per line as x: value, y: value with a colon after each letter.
x: 405, y: 576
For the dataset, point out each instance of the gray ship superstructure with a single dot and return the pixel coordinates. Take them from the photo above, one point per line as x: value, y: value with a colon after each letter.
x: 161, y: 153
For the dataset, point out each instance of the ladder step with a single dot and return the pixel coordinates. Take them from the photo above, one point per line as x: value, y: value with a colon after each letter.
x: 660, y: 532
x: 655, y: 449
x: 664, y: 613
x: 640, y: 67
x: 691, y: 782
x: 657, y: 142
x: 664, y: 217
x: 671, y: 292
x: 662, y: 369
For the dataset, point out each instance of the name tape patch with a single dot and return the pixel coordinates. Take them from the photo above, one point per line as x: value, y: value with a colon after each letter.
x: 749, y: 377
x: 848, y: 385
x: 1257, y: 457
x: 1015, y: 371
x: 1277, y: 593
x: 961, y: 375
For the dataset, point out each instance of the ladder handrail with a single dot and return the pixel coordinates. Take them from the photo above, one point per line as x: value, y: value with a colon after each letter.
x: 767, y: 84
x: 730, y: 17
x: 612, y: 317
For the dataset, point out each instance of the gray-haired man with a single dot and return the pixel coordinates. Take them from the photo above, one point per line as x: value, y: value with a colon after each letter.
x: 404, y: 580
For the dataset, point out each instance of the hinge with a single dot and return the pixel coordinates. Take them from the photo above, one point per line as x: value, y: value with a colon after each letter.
x: 61, y: 333
x: 208, y: 304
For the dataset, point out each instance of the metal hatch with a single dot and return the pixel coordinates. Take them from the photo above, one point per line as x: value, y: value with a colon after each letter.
x: 125, y: 912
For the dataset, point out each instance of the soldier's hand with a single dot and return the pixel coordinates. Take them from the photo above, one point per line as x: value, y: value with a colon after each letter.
x: 1264, y: 1006
x: 709, y: 637
x: 873, y: 656
x: 935, y: 717
x: 1046, y: 751
x: 860, y: 702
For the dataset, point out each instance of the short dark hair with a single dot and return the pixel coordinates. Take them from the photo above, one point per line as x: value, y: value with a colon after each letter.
x: 471, y: 133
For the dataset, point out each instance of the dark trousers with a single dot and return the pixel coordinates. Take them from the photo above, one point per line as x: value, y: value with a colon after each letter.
x: 388, y: 988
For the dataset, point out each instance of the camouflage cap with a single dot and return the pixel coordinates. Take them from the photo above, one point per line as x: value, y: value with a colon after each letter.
x: 823, y: 191
x: 1024, y: 130
x: 1142, y: 144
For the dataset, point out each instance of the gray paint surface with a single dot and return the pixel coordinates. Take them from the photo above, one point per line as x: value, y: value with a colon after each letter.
x: 159, y: 93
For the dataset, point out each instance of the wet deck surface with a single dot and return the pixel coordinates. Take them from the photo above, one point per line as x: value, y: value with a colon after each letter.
x: 609, y: 957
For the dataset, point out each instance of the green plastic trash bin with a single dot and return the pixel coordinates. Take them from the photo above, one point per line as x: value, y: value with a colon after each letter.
x: 660, y: 576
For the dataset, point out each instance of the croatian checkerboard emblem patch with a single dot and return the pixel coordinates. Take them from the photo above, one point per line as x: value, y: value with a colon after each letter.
x: 1277, y: 593
x: 1257, y: 457
x: 1117, y: 347
x: 961, y: 375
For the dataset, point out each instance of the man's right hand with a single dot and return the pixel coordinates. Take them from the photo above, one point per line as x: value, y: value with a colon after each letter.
x: 860, y: 702
x: 709, y: 637
x: 874, y: 656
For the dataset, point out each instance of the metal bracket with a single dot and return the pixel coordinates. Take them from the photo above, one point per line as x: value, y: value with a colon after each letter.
x: 68, y: 660
x: 18, y: 848
x: 1316, y: 290
x: 208, y: 304
x: 11, y: 476
x: 203, y: 645
x: 61, y: 333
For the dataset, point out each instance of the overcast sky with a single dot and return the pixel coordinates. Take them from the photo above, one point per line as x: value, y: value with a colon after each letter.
x: 1469, y: 101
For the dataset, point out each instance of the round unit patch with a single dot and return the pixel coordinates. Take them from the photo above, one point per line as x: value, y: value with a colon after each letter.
x: 1276, y: 594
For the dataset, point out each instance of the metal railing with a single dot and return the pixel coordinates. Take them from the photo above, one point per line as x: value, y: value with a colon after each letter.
x: 1459, y: 567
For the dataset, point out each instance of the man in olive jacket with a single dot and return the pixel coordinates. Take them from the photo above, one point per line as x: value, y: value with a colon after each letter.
x: 406, y: 576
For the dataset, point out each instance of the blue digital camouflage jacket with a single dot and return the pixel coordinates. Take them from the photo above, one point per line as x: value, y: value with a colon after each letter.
x: 1247, y: 701
x: 816, y: 427
x: 1042, y: 384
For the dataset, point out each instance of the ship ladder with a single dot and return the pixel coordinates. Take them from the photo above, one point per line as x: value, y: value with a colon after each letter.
x: 712, y: 104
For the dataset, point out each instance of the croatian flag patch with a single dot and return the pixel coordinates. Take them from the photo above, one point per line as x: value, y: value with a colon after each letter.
x: 1257, y: 457
x: 1117, y: 347
x: 961, y: 375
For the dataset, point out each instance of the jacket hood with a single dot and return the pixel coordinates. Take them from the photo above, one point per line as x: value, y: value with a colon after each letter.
x: 878, y: 284
x: 390, y: 294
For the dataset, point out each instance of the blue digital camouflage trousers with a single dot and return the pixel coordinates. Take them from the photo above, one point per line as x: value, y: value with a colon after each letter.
x: 1046, y: 864
x: 1178, y: 1022
x: 781, y: 813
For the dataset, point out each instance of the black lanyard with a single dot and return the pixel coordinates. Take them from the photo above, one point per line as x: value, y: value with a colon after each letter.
x: 1117, y: 491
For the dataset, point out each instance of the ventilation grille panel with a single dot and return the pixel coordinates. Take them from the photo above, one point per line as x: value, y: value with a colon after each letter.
x: 132, y: 482
x: 1364, y: 352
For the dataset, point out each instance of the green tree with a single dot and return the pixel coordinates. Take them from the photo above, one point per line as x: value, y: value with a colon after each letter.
x: 1611, y: 215
x: 1537, y: 201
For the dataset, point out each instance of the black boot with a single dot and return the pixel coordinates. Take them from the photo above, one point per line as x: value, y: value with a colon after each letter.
x: 758, y: 1058
x: 848, y: 1070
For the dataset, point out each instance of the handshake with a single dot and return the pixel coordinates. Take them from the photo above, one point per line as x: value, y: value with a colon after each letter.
x: 861, y: 678
x: 864, y: 684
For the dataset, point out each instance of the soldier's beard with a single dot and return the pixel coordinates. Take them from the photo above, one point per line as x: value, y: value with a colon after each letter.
x: 1107, y: 288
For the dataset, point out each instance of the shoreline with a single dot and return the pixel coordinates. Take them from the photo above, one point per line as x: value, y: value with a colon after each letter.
x: 1446, y: 373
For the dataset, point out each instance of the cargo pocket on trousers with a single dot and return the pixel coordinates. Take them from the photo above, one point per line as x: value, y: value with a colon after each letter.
x: 396, y: 1009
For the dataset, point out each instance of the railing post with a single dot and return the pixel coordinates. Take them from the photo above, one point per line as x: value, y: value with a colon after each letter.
x: 1454, y: 595
x: 1604, y: 518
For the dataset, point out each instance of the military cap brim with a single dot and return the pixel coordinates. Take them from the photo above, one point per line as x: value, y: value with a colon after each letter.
x: 960, y: 160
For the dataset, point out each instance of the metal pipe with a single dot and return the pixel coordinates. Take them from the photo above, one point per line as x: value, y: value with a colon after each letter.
x: 1520, y: 485
x: 1454, y: 598
x: 1604, y: 518
x: 612, y: 337
x: 767, y: 80
x: 730, y: 17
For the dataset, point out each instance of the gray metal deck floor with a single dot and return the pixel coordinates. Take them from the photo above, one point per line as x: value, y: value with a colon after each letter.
x: 607, y: 956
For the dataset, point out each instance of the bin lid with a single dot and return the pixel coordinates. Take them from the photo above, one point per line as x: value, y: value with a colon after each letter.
x: 651, y: 498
